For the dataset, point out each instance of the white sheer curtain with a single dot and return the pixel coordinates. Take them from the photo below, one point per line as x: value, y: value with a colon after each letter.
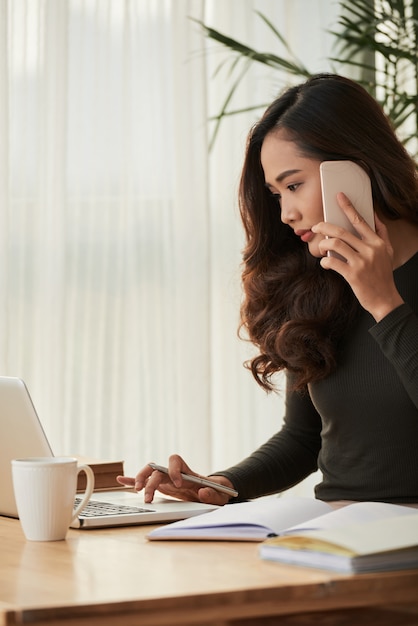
x: 120, y: 238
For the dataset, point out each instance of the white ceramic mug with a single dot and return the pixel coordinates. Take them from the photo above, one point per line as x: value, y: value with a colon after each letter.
x: 45, y: 489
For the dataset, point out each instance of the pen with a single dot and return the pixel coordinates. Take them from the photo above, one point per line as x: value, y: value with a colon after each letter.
x: 199, y: 481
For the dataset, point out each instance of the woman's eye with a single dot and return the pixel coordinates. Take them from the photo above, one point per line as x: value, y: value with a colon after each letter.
x: 293, y: 187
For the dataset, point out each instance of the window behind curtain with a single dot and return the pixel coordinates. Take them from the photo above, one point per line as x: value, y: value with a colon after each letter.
x: 120, y: 233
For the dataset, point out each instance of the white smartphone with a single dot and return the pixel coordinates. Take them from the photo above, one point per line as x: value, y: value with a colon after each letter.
x: 352, y: 180
x: 204, y: 482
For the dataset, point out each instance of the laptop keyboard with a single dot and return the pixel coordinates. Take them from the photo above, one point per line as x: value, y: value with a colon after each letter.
x: 95, y: 508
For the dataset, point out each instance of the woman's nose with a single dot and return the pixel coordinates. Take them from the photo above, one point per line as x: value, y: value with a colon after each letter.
x: 288, y: 212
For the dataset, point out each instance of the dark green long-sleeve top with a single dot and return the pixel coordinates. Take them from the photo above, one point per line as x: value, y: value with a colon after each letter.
x: 360, y: 425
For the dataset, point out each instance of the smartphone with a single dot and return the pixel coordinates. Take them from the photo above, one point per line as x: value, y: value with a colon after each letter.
x: 352, y: 180
x: 204, y: 482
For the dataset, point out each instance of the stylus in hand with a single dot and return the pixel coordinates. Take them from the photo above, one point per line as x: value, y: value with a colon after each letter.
x: 204, y: 482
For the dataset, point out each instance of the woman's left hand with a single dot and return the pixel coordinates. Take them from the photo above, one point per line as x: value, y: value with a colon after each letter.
x: 369, y: 261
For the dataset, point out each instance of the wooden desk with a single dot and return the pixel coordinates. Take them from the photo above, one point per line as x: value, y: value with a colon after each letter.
x: 116, y: 577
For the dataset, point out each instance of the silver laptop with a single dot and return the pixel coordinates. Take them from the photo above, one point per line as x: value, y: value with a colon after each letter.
x: 22, y: 435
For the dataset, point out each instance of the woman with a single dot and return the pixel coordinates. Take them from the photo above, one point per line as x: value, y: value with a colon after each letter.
x: 345, y: 330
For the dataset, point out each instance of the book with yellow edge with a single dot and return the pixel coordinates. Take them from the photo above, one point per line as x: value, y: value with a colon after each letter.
x: 389, y: 543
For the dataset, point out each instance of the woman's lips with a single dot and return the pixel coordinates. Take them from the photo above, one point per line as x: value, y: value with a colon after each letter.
x: 305, y: 235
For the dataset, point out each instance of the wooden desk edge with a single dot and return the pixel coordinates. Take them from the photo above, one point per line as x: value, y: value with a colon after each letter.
x: 365, y: 591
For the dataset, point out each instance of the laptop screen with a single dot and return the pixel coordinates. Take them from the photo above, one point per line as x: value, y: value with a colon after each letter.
x: 21, y: 435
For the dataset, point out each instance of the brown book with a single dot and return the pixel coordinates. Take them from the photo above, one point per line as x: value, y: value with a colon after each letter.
x: 105, y: 473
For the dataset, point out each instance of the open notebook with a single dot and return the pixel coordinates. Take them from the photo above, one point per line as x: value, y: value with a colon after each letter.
x: 22, y: 435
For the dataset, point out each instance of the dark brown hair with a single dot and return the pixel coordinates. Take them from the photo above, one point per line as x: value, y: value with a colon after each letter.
x: 295, y: 312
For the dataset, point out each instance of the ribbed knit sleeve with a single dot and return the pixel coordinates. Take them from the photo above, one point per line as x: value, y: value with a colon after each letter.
x: 397, y: 336
x: 286, y: 458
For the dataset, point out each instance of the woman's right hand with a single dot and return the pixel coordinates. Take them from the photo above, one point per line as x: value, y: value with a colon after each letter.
x: 172, y: 484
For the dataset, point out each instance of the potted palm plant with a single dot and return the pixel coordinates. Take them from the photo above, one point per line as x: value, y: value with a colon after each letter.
x: 375, y: 42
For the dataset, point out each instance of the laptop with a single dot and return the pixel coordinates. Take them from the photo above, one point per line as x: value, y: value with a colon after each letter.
x: 22, y: 435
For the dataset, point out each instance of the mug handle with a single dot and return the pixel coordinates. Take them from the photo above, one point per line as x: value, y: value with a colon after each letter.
x: 89, y: 489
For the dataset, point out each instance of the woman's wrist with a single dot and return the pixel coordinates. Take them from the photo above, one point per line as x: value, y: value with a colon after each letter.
x: 387, y: 307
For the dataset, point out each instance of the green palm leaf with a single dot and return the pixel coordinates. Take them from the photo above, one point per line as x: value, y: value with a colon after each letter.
x: 377, y: 40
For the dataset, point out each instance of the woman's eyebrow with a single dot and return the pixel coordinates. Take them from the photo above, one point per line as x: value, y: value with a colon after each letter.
x: 281, y: 177
x: 285, y: 174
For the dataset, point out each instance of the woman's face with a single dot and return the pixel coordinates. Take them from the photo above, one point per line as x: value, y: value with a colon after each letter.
x: 295, y: 180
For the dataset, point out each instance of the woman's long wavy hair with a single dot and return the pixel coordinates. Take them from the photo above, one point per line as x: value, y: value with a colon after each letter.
x: 295, y: 312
